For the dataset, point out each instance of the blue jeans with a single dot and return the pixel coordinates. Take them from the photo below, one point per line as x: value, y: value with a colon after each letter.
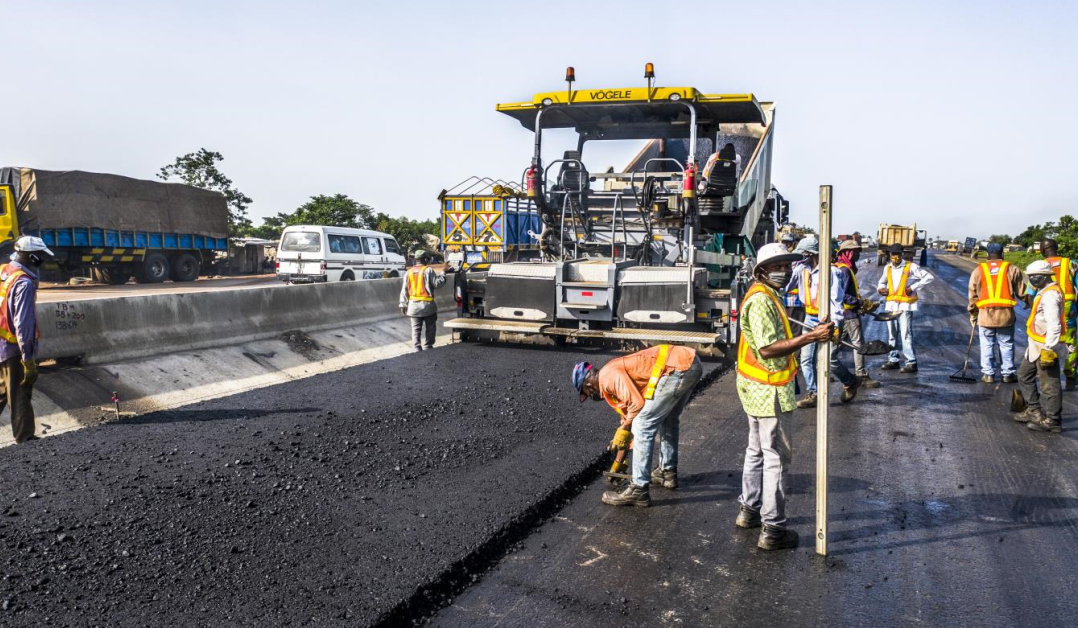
x: 900, y: 336
x: 990, y: 337
x: 662, y: 411
x: 808, y: 362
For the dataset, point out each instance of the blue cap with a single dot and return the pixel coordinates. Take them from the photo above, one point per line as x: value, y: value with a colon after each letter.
x: 995, y: 248
x: 580, y: 371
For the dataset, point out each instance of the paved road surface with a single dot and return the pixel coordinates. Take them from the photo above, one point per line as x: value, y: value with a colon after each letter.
x: 60, y: 292
x: 943, y: 512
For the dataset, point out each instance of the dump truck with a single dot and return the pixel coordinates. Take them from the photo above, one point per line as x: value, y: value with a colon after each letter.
x: 488, y: 220
x: 659, y: 252
x: 116, y: 227
x: 908, y: 236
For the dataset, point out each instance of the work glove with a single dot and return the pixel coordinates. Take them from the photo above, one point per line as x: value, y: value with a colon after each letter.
x: 621, y: 439
x: 29, y: 373
x: 1047, y: 359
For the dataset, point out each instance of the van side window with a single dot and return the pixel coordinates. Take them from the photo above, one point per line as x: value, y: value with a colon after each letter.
x: 372, y: 246
x: 343, y: 244
x: 392, y: 246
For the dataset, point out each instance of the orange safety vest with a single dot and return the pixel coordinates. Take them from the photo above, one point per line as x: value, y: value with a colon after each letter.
x: 995, y: 290
x: 653, y: 380
x: 811, y: 297
x: 417, y: 287
x: 747, y: 364
x: 899, y: 293
x: 1061, y: 267
x: 1030, y: 331
x: 853, y: 278
x: 7, y: 323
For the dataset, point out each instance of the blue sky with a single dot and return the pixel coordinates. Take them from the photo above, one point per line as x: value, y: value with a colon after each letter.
x: 956, y: 115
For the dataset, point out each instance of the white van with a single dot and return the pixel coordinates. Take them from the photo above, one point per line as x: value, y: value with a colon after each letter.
x: 312, y: 253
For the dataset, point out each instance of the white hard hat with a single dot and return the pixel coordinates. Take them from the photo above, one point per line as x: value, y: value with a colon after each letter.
x: 31, y: 244
x: 1039, y: 267
x: 809, y: 244
x: 774, y: 252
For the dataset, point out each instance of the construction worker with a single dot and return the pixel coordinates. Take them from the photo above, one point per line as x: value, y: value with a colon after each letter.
x: 993, y: 286
x: 19, y: 330
x: 900, y: 282
x: 648, y: 389
x: 766, y: 370
x: 848, y: 317
x: 807, y: 282
x: 789, y: 241
x: 1038, y: 374
x: 417, y: 300
x: 1064, y: 270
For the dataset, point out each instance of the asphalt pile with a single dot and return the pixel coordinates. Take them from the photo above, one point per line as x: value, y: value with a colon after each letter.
x: 360, y: 497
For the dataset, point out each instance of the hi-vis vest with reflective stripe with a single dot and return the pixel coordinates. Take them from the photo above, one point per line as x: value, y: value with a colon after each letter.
x: 7, y: 325
x: 811, y: 298
x: 856, y: 290
x: 653, y: 380
x: 995, y: 289
x: 1030, y: 330
x: 898, y: 293
x: 747, y: 364
x: 417, y: 286
x: 1061, y: 267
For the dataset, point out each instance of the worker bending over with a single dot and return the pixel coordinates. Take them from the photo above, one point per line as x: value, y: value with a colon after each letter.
x: 417, y: 300
x: 19, y: 330
x: 993, y: 287
x: 1040, y: 365
x: 766, y: 369
x: 1063, y: 269
x: 648, y: 389
x: 848, y: 316
x: 900, y: 282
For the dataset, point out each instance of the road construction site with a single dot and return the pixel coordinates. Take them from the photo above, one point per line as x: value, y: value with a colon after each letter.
x: 462, y: 486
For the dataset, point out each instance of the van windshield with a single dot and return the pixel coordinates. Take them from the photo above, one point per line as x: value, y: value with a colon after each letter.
x: 302, y: 242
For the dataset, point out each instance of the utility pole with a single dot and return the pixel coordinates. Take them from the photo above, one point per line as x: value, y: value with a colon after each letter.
x: 823, y: 372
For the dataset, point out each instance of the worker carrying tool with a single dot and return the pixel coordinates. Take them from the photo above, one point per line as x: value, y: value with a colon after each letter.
x: 417, y: 300
x: 1063, y: 269
x: 19, y: 330
x: 993, y: 288
x: 807, y: 282
x: 648, y: 389
x: 766, y: 369
x: 900, y: 282
x: 848, y: 317
x: 1038, y: 375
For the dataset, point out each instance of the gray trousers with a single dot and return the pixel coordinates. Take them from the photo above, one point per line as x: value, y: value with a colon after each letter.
x: 766, y: 476
x: 854, y: 334
x: 1029, y: 376
x: 421, y: 323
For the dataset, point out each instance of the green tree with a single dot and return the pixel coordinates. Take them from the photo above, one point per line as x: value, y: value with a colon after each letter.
x: 408, y: 233
x: 200, y: 170
x: 1066, y: 234
x: 331, y: 211
x: 1035, y: 233
x: 1000, y: 239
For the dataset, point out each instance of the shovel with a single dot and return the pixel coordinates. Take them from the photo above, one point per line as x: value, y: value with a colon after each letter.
x: 961, y: 377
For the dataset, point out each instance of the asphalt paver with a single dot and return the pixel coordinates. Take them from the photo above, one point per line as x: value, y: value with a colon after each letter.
x: 367, y: 496
x: 943, y: 511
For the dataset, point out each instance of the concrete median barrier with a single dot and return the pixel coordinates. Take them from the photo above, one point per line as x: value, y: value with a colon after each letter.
x: 109, y: 330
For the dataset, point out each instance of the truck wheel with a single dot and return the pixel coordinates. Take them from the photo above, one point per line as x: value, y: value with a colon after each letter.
x: 111, y: 276
x: 154, y: 269
x: 185, y: 268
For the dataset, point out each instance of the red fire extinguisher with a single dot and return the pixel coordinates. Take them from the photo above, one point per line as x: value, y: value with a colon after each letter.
x: 688, y: 184
x: 532, y: 177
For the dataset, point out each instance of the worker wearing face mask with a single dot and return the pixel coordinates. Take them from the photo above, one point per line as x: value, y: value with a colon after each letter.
x: 900, y: 283
x: 1038, y: 375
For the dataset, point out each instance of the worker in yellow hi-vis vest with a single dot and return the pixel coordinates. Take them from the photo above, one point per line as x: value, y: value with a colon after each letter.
x: 417, y: 300
x: 901, y: 283
x: 648, y: 389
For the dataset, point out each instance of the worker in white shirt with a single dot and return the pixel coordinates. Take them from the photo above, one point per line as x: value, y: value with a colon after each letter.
x: 1046, y: 351
x: 900, y: 282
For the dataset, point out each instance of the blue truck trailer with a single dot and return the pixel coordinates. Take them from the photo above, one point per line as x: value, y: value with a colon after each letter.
x: 116, y: 227
x: 488, y: 220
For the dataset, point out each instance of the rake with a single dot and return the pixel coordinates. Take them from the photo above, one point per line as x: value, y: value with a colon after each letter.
x: 961, y: 377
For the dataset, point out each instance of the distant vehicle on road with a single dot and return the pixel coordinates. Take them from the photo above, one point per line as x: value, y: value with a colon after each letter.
x: 969, y: 245
x: 952, y: 246
x: 906, y: 235
x: 316, y: 254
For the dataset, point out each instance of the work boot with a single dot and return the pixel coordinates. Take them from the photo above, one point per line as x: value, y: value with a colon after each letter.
x: 1044, y: 424
x: 849, y: 392
x: 1032, y: 413
x: 666, y: 478
x: 631, y: 495
x: 988, y: 379
x: 910, y: 367
x: 775, y: 538
x: 889, y: 366
x: 747, y: 518
x: 1010, y: 379
x: 868, y: 382
x: 808, y: 401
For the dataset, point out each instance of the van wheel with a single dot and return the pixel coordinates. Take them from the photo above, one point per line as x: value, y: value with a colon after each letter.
x: 347, y: 276
x: 155, y: 269
x: 185, y: 268
x: 394, y: 274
